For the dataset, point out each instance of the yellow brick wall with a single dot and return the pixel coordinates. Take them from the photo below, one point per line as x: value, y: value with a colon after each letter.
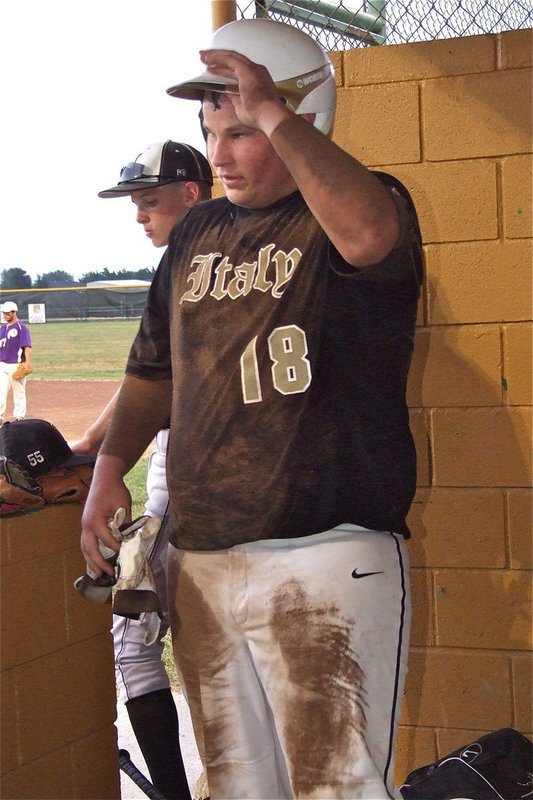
x: 57, y: 680
x: 452, y: 120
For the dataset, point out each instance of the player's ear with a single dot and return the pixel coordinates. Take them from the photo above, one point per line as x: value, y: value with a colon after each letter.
x: 308, y: 117
x: 191, y: 193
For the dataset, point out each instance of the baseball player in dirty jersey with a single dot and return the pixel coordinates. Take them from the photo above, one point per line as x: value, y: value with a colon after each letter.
x: 279, y: 338
x: 289, y: 372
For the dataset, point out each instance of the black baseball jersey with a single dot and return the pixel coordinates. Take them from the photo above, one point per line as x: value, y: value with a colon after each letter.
x: 289, y: 369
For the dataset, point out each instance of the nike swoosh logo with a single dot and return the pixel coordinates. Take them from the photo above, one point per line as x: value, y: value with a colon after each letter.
x: 356, y: 574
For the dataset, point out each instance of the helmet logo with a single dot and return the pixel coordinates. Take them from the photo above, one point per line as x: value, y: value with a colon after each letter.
x: 295, y: 89
x: 313, y: 77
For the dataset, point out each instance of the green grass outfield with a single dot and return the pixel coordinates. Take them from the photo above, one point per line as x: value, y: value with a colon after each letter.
x: 89, y: 350
x: 83, y: 350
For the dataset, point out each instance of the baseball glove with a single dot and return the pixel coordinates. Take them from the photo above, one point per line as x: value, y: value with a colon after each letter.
x: 63, y: 485
x: 84, y: 473
x: 21, y: 371
x: 18, y: 490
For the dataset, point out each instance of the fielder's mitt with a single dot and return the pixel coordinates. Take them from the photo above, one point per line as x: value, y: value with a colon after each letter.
x: 18, y: 490
x: 84, y: 473
x: 21, y: 371
x: 63, y: 485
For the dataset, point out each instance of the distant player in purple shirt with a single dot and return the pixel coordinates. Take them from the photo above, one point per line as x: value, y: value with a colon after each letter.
x: 15, y: 346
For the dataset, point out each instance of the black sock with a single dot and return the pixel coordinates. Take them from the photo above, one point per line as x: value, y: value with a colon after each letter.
x: 154, y: 721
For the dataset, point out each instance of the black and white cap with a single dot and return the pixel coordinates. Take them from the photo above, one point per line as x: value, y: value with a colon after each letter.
x: 161, y: 163
x: 37, y: 446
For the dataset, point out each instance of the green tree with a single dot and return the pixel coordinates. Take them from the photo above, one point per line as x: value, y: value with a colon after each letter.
x: 58, y: 277
x: 14, y: 278
x: 144, y: 274
x: 102, y: 275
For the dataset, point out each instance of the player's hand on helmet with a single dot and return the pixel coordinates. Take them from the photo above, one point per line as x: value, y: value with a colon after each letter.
x: 107, y: 493
x: 257, y: 104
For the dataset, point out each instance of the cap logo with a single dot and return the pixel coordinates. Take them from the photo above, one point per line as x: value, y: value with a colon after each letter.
x: 35, y: 458
x: 181, y: 172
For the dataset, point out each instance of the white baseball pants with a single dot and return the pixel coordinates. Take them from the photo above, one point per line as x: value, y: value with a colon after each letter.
x: 18, y: 388
x: 139, y: 668
x: 293, y: 656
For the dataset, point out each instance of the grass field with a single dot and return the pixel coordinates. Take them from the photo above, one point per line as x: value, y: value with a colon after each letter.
x: 89, y: 350
x: 82, y: 350
x: 136, y: 483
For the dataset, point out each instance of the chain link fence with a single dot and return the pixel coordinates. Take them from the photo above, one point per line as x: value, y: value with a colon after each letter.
x: 345, y: 25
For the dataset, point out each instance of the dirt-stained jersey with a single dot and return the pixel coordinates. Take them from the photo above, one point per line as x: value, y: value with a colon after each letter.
x: 289, y: 369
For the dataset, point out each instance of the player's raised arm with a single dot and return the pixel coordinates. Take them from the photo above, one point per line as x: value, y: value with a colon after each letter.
x: 351, y: 205
x: 142, y: 409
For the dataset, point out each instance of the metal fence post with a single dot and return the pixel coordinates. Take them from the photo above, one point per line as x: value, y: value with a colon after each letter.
x: 222, y: 11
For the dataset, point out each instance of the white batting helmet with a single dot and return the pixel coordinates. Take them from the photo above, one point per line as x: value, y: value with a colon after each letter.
x: 301, y: 70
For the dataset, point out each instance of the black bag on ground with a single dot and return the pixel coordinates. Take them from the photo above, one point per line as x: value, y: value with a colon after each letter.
x: 497, y: 766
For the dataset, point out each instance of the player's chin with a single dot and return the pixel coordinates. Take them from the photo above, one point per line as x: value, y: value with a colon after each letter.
x: 234, y: 185
x: 241, y: 196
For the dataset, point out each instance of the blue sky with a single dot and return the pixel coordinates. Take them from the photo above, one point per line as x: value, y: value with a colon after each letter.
x: 82, y: 93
